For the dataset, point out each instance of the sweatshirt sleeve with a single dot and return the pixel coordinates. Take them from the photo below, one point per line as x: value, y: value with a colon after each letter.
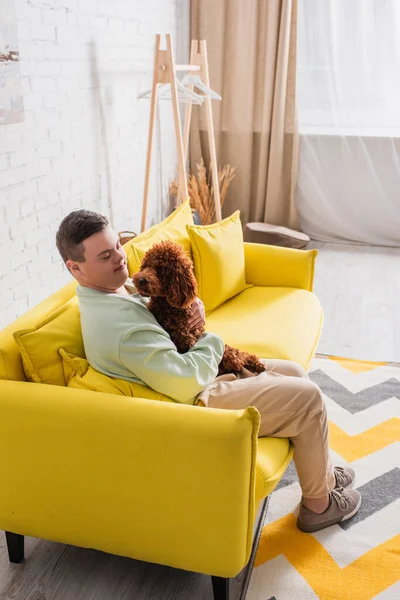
x: 149, y: 353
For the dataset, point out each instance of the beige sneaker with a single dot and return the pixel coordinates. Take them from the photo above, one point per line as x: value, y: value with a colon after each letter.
x: 344, y: 477
x: 344, y: 505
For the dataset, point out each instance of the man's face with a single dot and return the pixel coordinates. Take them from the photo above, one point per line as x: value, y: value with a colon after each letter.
x: 104, y: 267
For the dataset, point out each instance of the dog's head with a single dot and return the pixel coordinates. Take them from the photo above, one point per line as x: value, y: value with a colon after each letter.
x: 167, y: 271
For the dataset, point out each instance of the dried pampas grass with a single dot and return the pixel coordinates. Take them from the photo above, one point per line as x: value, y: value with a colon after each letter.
x: 201, y: 190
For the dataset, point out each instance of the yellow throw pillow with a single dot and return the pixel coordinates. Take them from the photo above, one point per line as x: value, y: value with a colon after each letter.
x: 79, y: 374
x: 218, y: 257
x: 39, y: 345
x: 172, y: 228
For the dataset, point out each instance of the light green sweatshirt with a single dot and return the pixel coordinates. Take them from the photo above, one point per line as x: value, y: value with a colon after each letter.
x: 123, y: 339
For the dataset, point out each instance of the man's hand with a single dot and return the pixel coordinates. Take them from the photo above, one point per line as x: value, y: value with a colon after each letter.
x: 197, y: 317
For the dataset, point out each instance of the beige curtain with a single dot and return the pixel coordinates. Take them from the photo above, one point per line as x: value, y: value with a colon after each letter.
x: 252, y: 58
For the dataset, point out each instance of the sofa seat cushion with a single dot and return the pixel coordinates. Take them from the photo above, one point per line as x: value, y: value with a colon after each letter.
x: 271, y: 322
x: 273, y: 458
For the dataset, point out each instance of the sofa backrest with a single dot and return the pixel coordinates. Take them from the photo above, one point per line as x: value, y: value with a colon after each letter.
x: 10, y: 357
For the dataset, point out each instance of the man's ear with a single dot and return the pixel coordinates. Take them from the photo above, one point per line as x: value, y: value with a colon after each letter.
x: 72, y: 265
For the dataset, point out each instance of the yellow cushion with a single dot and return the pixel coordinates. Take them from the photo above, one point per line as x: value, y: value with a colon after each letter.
x: 39, y: 345
x: 79, y: 374
x: 271, y: 322
x: 172, y: 228
x: 11, y: 366
x: 218, y: 257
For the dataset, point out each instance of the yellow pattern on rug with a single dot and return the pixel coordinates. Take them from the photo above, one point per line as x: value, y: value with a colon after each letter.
x: 356, y: 366
x: 361, y: 580
x: 352, y: 447
x: 358, y: 560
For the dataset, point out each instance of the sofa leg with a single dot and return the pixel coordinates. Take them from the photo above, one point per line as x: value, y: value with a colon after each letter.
x: 220, y: 588
x: 15, y: 547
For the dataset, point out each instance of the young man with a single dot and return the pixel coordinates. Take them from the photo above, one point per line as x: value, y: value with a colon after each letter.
x: 123, y: 339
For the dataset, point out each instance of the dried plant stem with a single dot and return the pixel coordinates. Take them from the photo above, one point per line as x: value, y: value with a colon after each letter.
x: 201, y: 190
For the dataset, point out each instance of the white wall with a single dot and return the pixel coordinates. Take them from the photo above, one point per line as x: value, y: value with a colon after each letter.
x: 83, y: 142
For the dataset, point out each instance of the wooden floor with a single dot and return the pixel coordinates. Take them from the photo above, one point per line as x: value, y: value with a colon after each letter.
x: 57, y: 572
x: 360, y: 292
x: 359, y: 288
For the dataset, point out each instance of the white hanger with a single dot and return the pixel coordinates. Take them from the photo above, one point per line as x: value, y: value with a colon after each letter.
x: 184, y: 94
x: 197, y: 82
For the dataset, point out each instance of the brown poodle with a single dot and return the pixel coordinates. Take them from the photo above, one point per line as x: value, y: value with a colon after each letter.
x: 166, y: 276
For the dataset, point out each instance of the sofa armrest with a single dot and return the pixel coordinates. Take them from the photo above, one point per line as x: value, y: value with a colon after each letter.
x: 274, y: 266
x: 156, y: 481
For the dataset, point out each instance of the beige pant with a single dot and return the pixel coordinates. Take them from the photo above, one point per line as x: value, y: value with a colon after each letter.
x: 290, y: 406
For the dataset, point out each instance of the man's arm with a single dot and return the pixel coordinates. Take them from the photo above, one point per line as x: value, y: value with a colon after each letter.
x: 150, y: 354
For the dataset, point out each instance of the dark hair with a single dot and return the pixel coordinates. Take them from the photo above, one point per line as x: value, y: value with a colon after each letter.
x: 74, y: 229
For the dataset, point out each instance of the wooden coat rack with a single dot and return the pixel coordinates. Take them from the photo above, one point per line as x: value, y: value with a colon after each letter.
x: 165, y: 73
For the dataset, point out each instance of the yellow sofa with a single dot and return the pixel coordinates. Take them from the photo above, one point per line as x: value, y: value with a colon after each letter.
x: 161, y: 482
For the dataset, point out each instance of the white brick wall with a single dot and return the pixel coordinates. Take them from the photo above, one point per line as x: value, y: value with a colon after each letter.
x: 83, y: 142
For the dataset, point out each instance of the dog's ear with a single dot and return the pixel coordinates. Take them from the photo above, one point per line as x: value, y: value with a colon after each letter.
x: 180, y: 285
x: 181, y: 289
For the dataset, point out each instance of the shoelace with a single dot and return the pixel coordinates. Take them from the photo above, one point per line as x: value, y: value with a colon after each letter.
x: 340, y: 475
x: 340, y: 498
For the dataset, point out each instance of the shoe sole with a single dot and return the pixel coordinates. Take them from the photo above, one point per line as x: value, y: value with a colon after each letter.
x: 312, y: 528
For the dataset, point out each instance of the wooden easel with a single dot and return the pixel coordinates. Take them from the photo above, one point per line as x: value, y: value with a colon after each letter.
x: 165, y: 72
x: 198, y: 56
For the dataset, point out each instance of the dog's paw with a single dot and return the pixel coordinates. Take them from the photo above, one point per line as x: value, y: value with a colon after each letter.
x: 259, y: 368
x: 254, y: 364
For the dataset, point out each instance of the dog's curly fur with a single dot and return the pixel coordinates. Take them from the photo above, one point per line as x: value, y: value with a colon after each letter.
x: 166, y: 276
